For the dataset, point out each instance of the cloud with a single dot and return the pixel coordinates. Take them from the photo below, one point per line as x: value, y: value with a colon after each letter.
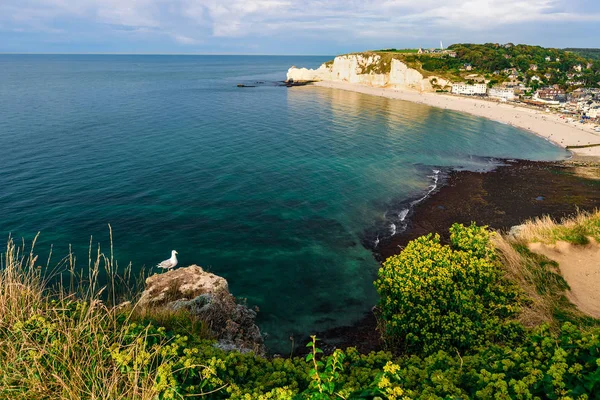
x: 184, y: 39
x: 190, y: 22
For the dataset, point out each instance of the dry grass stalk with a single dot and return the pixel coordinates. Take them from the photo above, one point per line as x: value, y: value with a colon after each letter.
x: 575, y: 230
x: 538, y: 309
x: 33, y: 364
x: 536, y: 275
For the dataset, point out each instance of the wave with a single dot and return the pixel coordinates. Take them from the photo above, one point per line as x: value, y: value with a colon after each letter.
x: 395, y: 220
x: 402, y: 214
x: 432, y: 187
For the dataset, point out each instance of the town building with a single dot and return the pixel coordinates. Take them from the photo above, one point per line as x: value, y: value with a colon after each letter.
x: 501, y: 93
x: 470, y: 90
x: 551, y: 94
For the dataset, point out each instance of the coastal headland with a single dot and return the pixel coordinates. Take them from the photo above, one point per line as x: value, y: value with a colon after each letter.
x: 428, y: 78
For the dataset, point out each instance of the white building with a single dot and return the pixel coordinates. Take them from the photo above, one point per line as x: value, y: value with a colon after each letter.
x: 463, y: 88
x: 504, y: 94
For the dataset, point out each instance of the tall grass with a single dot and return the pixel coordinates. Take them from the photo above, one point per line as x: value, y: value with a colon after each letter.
x: 577, y: 230
x: 57, y: 341
x: 539, y: 277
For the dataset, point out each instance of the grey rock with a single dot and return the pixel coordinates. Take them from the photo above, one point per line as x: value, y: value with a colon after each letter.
x: 206, y: 296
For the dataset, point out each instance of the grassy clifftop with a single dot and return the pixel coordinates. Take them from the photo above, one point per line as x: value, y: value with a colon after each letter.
x: 498, y: 62
x: 480, y: 317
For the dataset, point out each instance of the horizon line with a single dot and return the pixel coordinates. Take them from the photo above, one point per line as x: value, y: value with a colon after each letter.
x: 164, y: 54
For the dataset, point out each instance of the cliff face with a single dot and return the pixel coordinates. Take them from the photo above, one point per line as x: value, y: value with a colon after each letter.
x: 369, y: 70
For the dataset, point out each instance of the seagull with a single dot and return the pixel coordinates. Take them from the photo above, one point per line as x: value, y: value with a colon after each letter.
x: 170, y: 263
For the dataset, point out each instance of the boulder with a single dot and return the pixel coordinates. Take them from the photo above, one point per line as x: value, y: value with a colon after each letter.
x: 205, y: 296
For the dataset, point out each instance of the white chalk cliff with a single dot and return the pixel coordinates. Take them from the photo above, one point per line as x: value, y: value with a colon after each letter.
x: 368, y: 70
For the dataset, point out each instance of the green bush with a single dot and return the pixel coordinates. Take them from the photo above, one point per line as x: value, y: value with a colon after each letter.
x: 446, y: 297
x: 450, y: 300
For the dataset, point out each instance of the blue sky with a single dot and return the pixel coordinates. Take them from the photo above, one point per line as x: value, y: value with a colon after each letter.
x: 288, y: 26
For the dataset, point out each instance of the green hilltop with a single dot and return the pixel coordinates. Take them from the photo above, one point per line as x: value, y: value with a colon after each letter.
x: 587, y: 53
x: 500, y: 63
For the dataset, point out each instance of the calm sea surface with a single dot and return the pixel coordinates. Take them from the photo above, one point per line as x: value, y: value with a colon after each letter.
x: 272, y: 188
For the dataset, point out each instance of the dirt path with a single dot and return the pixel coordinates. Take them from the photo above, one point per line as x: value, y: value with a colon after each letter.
x: 580, y: 266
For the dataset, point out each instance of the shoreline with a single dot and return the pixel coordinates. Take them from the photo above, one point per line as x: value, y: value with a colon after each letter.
x: 500, y: 198
x: 545, y: 125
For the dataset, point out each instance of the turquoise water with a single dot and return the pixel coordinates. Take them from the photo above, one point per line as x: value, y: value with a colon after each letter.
x: 275, y: 189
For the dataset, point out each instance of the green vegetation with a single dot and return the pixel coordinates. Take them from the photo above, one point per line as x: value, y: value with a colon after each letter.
x: 408, y: 51
x: 383, y: 65
x: 586, y: 53
x: 577, y: 230
x: 480, y: 317
x: 499, y: 63
x: 439, y: 297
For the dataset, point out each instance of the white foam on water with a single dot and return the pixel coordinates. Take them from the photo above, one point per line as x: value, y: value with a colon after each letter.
x: 432, y: 187
x: 402, y: 214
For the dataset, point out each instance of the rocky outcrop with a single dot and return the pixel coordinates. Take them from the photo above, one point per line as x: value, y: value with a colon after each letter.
x: 205, y: 296
x: 370, y: 70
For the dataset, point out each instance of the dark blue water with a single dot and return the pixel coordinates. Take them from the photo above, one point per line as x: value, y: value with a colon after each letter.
x: 272, y: 188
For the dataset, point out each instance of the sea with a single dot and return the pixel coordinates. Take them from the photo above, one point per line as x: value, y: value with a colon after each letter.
x: 285, y: 192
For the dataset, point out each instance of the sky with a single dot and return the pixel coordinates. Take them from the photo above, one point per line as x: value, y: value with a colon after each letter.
x: 311, y: 27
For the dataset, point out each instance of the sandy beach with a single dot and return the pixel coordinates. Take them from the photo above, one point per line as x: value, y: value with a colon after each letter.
x: 545, y: 124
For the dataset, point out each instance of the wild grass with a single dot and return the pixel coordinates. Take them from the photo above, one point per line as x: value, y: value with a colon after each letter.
x: 59, y: 341
x: 539, y: 277
x: 576, y: 230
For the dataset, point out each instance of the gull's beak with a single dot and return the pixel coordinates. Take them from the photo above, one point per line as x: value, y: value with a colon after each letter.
x: 176, y: 253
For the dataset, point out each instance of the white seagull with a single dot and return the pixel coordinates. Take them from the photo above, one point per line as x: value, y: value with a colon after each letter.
x: 170, y: 263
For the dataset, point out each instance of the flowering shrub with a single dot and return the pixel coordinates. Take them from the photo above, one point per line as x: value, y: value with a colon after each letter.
x: 447, y: 302
x: 449, y: 297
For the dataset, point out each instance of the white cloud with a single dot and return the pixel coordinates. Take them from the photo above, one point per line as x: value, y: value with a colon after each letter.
x: 184, y: 39
x: 189, y: 21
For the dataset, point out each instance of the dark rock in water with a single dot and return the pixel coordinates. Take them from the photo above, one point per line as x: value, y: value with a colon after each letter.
x: 240, y: 85
x: 207, y: 297
x: 291, y: 83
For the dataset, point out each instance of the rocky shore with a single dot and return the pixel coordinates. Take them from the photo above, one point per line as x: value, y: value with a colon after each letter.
x: 501, y: 198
